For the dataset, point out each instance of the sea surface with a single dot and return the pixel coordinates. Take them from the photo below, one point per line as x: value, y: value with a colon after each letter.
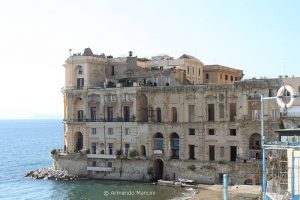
x: 26, y: 144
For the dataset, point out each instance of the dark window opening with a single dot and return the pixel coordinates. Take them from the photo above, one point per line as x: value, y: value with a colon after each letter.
x: 80, y: 115
x: 126, y: 110
x: 211, y: 112
x: 109, y: 164
x: 191, y: 113
x: 211, y: 131
x: 192, y: 152
x: 226, y: 77
x: 110, y: 148
x: 211, y: 152
x: 233, y: 153
x: 233, y: 132
x: 127, y: 147
x: 158, y: 114
x: 94, y: 147
x: 175, y: 146
x: 110, y: 114
x: 94, y: 163
x: 235, y: 78
x: 232, y: 110
x: 231, y: 78
x: 93, y: 114
x: 80, y: 83
x: 207, y: 76
x: 191, y: 131
x: 112, y: 70
x: 80, y: 70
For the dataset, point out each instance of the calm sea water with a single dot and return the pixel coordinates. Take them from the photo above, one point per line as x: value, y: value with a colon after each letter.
x: 26, y: 144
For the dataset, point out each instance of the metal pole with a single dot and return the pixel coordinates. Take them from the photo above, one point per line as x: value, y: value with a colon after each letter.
x: 264, y: 186
x: 225, y: 186
x: 293, y: 174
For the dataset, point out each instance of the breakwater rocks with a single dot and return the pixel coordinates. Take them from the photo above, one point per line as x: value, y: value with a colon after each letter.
x: 51, y: 174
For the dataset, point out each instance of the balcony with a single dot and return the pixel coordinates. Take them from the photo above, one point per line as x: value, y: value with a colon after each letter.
x: 103, y: 156
x: 157, y: 152
x: 118, y: 119
x: 101, y: 169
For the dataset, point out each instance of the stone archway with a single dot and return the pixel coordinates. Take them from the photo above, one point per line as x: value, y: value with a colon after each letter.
x: 158, y: 169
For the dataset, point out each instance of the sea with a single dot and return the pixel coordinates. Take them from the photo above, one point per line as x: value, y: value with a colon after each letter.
x: 25, y: 145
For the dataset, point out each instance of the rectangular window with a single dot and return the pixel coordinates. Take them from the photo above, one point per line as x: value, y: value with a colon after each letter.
x: 211, y: 112
x: 110, y: 114
x: 235, y: 78
x: 299, y: 90
x: 127, y: 131
x: 207, y: 76
x: 94, y: 163
x: 126, y: 113
x: 255, y: 115
x: 109, y: 164
x: 220, y: 76
x: 192, y: 152
x: 127, y: 147
x: 211, y: 131
x: 188, y: 71
x: 94, y: 131
x: 110, y: 148
x: 110, y: 131
x: 191, y: 131
x: 80, y: 115
x: 232, y: 132
x: 199, y: 72
x: 274, y: 114
x: 211, y: 149
x: 112, y: 70
x: 231, y: 78
x: 193, y: 70
x: 221, y: 110
x: 80, y: 83
x: 94, y: 147
x: 93, y: 114
x: 232, y: 111
x: 226, y: 77
x: 191, y: 113
x: 233, y: 153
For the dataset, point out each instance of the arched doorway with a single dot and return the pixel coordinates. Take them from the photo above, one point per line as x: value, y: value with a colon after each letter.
x: 78, y: 141
x: 158, y: 169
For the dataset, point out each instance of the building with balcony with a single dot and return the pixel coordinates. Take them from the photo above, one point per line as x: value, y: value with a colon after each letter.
x: 128, y: 122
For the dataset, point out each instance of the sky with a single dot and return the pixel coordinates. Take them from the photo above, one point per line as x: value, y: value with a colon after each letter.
x: 260, y: 37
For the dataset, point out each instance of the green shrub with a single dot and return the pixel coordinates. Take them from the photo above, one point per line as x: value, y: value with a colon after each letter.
x: 191, y: 167
x: 132, y: 153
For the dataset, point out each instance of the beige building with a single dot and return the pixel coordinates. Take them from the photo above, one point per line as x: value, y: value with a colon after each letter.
x: 221, y: 74
x: 120, y: 125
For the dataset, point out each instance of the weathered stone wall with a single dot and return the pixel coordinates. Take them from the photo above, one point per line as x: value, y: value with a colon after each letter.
x: 138, y: 169
x: 73, y: 163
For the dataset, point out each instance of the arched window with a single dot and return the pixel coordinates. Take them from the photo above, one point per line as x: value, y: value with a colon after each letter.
x: 158, y: 141
x: 174, y: 146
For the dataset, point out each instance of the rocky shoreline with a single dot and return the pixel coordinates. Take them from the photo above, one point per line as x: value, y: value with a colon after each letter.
x: 51, y: 174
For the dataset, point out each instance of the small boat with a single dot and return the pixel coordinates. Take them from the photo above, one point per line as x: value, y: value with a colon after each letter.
x: 182, y: 180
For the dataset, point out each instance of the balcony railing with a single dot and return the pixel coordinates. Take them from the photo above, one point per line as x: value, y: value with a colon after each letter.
x: 118, y: 119
x: 101, y: 156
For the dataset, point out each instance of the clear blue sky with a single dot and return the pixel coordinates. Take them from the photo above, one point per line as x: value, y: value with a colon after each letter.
x: 260, y: 37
